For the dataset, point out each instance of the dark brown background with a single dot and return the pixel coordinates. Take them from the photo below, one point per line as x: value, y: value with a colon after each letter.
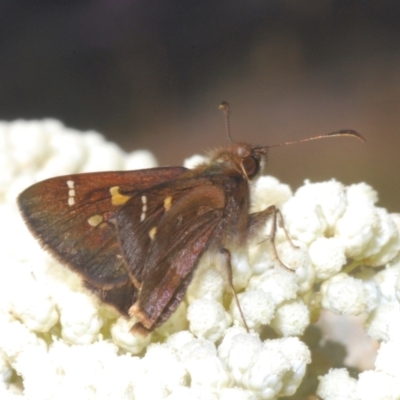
x: 150, y: 74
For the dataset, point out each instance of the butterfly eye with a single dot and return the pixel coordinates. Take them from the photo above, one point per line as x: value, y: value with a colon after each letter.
x: 251, y: 166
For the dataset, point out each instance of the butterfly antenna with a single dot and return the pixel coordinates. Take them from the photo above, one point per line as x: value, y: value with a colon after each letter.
x: 342, y: 132
x: 224, y: 106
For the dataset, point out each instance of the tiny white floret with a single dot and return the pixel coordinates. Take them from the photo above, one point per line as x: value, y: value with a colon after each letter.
x: 204, y: 367
x: 268, y: 191
x: 291, y: 318
x: 329, y: 196
x: 208, y: 318
x: 79, y: 317
x: 344, y: 294
x: 279, y: 283
x: 304, y: 220
x: 327, y: 256
x: 258, y: 308
x: 337, y: 384
x: 124, y: 338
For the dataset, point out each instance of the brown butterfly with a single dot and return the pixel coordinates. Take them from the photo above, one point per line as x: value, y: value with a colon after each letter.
x: 136, y: 237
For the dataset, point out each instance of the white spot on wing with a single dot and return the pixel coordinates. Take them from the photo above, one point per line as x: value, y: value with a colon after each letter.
x: 71, y: 193
x: 144, y: 208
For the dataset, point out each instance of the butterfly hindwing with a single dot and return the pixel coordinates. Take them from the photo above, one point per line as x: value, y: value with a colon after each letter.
x: 120, y: 297
x: 177, y: 225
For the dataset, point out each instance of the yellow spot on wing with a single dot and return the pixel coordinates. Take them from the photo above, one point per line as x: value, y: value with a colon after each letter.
x: 117, y: 198
x: 95, y: 220
x: 167, y: 203
x: 152, y: 232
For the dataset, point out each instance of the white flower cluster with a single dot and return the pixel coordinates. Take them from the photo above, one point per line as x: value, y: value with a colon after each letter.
x: 62, y: 343
x: 342, y: 223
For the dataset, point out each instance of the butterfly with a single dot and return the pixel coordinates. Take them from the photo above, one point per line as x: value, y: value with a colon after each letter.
x: 136, y: 237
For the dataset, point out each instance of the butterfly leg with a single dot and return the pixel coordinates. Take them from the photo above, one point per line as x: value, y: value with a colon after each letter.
x: 227, y: 259
x: 258, y: 220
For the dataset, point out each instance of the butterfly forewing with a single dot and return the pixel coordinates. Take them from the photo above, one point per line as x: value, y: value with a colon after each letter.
x: 72, y: 215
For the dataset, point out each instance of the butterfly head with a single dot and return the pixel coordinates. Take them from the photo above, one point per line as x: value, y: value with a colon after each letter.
x: 239, y: 158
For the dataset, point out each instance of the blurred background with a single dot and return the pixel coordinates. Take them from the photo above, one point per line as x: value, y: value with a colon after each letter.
x: 150, y: 74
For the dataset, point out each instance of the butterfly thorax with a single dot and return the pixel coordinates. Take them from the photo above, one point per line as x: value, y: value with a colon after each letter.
x: 228, y: 170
